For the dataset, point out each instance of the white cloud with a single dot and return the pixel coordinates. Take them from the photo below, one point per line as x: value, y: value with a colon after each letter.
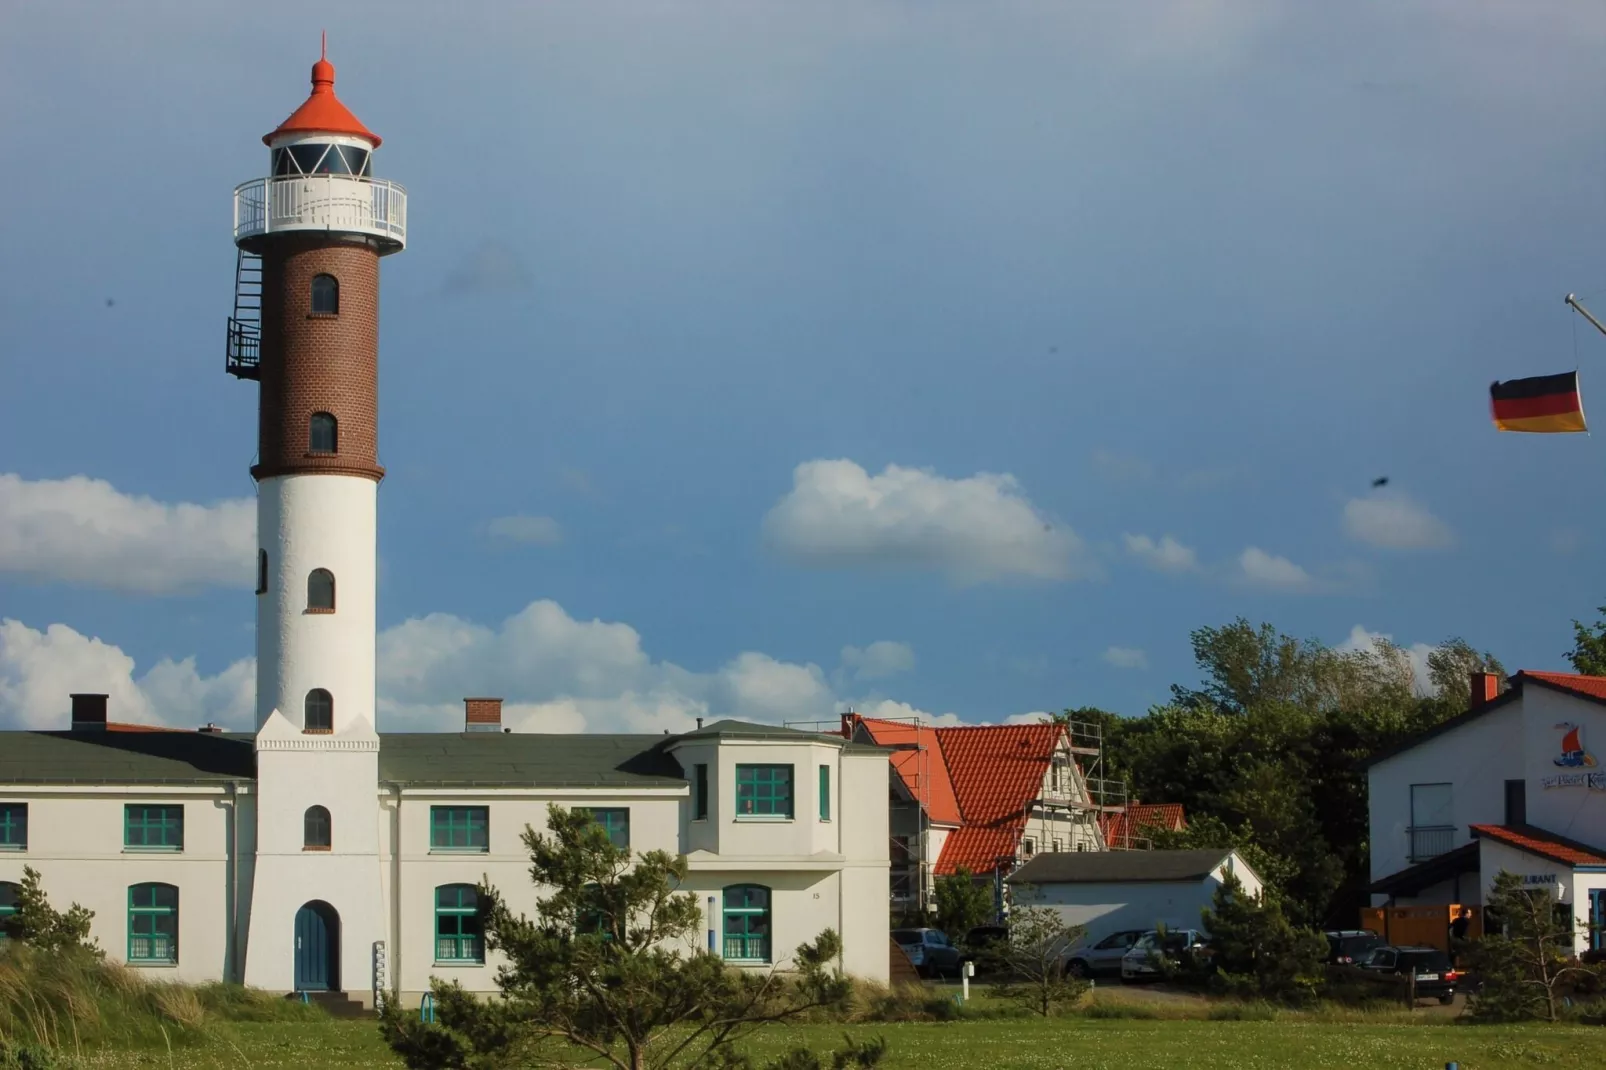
x: 84, y: 531
x: 1268, y: 570
x: 1166, y: 555
x: 535, y: 530
x: 880, y: 659
x: 1395, y: 522
x: 1125, y: 657
x: 975, y: 529
x: 1362, y: 639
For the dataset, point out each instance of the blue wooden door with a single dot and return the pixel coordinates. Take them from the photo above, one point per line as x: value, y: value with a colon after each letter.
x: 314, y: 950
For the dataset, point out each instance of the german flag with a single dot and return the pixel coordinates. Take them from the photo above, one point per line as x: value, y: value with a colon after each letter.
x: 1547, y: 404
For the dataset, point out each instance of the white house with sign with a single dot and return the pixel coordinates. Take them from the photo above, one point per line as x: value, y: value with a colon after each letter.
x: 1515, y: 783
x: 319, y: 854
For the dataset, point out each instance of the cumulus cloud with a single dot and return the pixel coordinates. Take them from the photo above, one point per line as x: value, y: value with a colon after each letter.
x: 976, y: 529
x: 84, y: 531
x: 880, y: 659
x: 1125, y: 657
x: 1166, y: 555
x: 534, y: 530
x: 1362, y: 639
x: 1262, y: 569
x: 1395, y: 522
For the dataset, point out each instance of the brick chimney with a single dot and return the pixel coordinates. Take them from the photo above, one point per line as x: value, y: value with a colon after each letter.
x: 89, y: 713
x: 482, y: 715
x: 1485, y: 688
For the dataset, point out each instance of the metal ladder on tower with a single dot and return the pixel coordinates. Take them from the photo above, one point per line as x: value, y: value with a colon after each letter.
x: 243, y: 357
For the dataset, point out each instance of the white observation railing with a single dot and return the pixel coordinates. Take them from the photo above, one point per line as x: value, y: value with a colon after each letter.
x: 373, y: 206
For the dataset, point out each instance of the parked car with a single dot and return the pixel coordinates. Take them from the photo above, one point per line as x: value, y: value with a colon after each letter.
x: 929, y: 951
x: 1102, y: 959
x: 1142, y: 961
x: 1436, y: 977
x: 984, y: 945
x: 1351, y: 947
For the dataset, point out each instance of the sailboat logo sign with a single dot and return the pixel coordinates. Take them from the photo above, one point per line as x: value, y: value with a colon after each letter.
x: 1574, y: 756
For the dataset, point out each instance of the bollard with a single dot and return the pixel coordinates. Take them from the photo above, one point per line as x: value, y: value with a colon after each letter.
x: 1452, y: 1066
x: 965, y: 974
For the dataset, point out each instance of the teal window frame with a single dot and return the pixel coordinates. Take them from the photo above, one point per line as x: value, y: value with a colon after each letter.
x: 153, y: 828
x: 699, y: 787
x: 825, y: 793
x: 8, y: 906
x: 459, y: 929
x: 460, y: 829
x: 153, y: 924
x: 764, y: 792
x: 13, y: 826
x: 1597, y: 919
x: 746, y: 917
x: 616, y: 819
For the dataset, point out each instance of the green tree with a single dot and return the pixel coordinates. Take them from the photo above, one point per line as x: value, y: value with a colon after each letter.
x: 599, y: 976
x: 1588, y: 654
x: 1256, y: 951
x: 40, y: 925
x: 962, y: 904
x: 1032, y: 959
x: 1526, y: 964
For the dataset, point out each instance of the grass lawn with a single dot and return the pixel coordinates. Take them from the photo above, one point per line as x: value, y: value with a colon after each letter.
x: 1079, y: 1043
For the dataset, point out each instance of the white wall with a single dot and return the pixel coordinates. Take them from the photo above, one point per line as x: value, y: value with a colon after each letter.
x: 1557, y: 802
x: 75, y: 841
x: 1110, y: 907
x: 1475, y: 758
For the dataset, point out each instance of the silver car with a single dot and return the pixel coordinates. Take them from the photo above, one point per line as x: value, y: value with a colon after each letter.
x: 1102, y: 959
x: 1142, y: 962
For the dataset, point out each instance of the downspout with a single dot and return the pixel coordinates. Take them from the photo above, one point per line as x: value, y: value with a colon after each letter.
x: 394, y: 958
x: 233, y: 972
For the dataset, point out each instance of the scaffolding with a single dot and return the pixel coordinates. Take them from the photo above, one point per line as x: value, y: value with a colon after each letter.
x: 913, y: 873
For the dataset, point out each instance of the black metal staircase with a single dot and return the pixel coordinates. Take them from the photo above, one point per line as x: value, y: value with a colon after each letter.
x: 243, y: 357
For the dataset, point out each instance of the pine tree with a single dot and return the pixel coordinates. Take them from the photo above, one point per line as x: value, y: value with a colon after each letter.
x: 1527, y: 963
x: 43, y: 927
x: 1256, y: 951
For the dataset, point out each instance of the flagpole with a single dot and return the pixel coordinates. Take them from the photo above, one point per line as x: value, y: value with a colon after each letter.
x: 1584, y: 312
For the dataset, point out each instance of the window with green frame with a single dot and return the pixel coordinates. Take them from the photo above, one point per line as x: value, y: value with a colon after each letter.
x: 825, y: 793
x: 13, y: 826
x: 8, y: 907
x: 459, y: 935
x: 700, y: 793
x: 459, y: 828
x: 763, y: 791
x: 153, y: 923
x: 153, y: 828
x: 617, y: 821
x: 747, y: 923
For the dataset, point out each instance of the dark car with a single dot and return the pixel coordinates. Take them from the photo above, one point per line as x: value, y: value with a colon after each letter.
x: 929, y: 951
x: 985, y: 945
x: 1436, y: 976
x: 1102, y: 959
x: 1351, y: 947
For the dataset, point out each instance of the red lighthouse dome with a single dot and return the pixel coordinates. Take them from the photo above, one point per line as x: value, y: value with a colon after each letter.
x: 322, y: 113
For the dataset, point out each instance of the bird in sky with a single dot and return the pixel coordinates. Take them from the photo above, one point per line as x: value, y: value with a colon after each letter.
x: 1380, y: 481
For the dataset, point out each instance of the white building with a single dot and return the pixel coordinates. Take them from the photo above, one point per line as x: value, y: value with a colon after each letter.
x: 1512, y: 784
x: 1112, y: 891
x: 319, y: 854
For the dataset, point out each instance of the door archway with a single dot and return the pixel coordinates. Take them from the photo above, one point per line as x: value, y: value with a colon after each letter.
x: 317, y: 948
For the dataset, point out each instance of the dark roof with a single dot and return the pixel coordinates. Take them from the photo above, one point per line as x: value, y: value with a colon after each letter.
x: 125, y: 757
x: 1120, y: 867
x: 492, y: 759
x: 1413, y: 879
x: 1588, y: 688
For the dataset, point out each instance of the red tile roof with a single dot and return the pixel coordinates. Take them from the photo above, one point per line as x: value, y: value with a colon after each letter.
x: 937, y: 793
x: 997, y: 769
x: 1588, y: 686
x: 1537, y: 841
x: 979, y: 848
x: 1120, y: 829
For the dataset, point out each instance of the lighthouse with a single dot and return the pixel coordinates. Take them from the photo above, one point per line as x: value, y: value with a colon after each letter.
x: 310, y: 235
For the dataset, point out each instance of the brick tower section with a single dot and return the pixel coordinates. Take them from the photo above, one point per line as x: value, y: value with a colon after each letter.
x: 316, y: 361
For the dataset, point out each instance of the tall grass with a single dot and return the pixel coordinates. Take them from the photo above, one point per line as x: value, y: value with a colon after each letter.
x: 75, y: 1002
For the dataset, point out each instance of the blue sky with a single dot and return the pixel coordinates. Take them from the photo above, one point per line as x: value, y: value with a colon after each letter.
x: 685, y: 279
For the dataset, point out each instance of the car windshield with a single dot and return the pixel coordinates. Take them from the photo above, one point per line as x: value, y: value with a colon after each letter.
x: 906, y: 936
x: 1430, y: 961
x: 1143, y: 942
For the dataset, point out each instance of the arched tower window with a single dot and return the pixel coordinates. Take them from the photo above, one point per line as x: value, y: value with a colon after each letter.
x: 325, y: 295
x: 320, y: 712
x: 321, y: 590
x: 316, y: 830
x: 262, y: 572
x: 322, y: 434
